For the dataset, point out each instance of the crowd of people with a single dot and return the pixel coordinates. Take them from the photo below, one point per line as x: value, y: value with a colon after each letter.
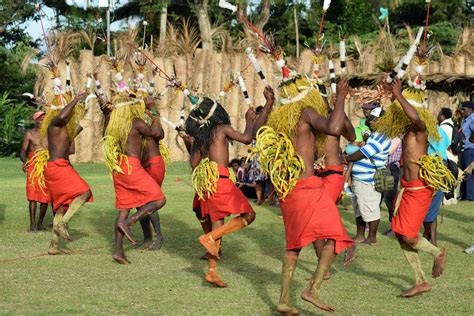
x: 397, y: 154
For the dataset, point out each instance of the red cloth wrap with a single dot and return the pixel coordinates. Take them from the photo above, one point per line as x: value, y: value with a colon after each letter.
x: 227, y: 200
x: 333, y: 183
x: 413, y: 208
x: 33, y: 190
x: 155, y: 167
x: 135, y: 187
x: 309, y: 214
x: 64, y: 183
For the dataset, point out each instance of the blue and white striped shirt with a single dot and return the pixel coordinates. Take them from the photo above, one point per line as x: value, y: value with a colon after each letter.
x: 377, y: 147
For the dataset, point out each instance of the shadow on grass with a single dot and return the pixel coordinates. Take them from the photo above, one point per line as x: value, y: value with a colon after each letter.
x: 2, y: 212
x: 452, y: 214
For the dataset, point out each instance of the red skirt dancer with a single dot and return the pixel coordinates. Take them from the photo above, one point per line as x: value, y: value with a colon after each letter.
x: 333, y: 180
x: 227, y: 200
x: 411, y: 206
x: 310, y: 214
x: 155, y: 166
x: 64, y: 183
x: 33, y: 190
x: 135, y: 187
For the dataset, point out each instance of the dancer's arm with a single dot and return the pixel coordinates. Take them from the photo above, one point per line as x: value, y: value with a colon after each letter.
x: 348, y: 131
x: 60, y: 120
x: 245, y: 137
x: 335, y: 124
x: 410, y: 111
x: 263, y: 116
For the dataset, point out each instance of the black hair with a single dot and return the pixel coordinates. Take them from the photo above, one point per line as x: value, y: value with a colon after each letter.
x: 235, y: 160
x: 203, y: 132
x: 446, y: 112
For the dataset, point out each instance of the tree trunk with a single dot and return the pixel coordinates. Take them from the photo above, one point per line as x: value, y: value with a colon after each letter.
x: 264, y: 15
x: 204, y: 23
x: 297, y: 33
x: 163, y: 24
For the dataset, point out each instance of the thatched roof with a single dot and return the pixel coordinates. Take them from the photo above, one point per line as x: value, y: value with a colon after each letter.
x: 449, y: 83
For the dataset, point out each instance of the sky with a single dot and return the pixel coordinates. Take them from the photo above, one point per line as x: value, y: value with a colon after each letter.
x: 33, y: 28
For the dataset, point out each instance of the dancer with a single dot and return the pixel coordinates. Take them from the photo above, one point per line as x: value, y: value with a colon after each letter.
x: 294, y: 130
x: 134, y: 187
x: 68, y: 190
x: 34, y: 193
x: 209, y: 124
x: 154, y: 165
x: 333, y: 173
x: 411, y: 118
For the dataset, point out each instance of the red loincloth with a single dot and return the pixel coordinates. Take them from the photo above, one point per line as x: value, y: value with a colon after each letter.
x: 414, y: 205
x: 135, y: 187
x: 227, y: 200
x: 155, y: 166
x: 309, y: 214
x: 64, y: 183
x: 33, y: 190
x: 333, y: 182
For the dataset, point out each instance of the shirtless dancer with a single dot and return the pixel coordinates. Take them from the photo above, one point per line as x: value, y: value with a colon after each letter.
x: 212, y: 134
x: 333, y: 173
x: 153, y: 163
x: 34, y: 193
x: 414, y: 200
x: 68, y: 190
x: 134, y: 187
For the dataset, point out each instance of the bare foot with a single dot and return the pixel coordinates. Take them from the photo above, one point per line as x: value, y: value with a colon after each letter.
x: 32, y: 229
x: 358, y: 239
x: 350, y: 255
x: 125, y: 229
x: 328, y: 275
x: 416, y: 289
x: 287, y: 310
x: 439, y: 263
x: 120, y: 259
x: 210, y: 245
x: 309, y: 297
x: 41, y: 228
x: 145, y: 244
x: 370, y: 242
x: 62, y: 232
x: 156, y: 245
x: 53, y: 251
x: 213, y: 278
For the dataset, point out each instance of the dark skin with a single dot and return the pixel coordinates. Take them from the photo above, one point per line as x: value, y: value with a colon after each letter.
x: 138, y: 130
x: 360, y: 223
x: 309, y: 125
x: 465, y: 112
x: 152, y: 150
x: 31, y: 143
x: 415, y: 144
x: 332, y: 157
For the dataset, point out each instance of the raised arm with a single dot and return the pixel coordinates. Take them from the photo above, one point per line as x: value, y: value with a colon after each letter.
x: 245, y: 137
x: 335, y: 124
x: 410, y: 111
x: 154, y: 130
x: 262, y: 117
x: 60, y: 120
x: 348, y: 132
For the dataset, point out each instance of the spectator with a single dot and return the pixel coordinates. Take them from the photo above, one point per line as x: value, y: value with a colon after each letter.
x: 362, y: 131
x: 247, y: 184
x: 393, y: 164
x: 366, y: 200
x: 446, y: 123
x: 467, y: 156
x: 441, y: 148
x: 235, y: 164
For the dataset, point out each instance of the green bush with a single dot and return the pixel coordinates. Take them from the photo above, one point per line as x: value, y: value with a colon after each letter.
x: 15, y: 118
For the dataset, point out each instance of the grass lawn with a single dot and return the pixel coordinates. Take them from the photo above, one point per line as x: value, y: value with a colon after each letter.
x: 170, y: 281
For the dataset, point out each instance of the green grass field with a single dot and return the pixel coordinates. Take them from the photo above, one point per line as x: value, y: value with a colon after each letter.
x: 170, y: 281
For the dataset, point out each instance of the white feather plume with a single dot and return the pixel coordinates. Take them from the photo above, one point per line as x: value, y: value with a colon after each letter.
x: 226, y: 5
x: 326, y: 4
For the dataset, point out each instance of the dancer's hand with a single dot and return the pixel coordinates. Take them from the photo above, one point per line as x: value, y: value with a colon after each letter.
x: 269, y: 94
x: 396, y: 87
x: 82, y: 96
x: 250, y: 115
x: 342, y: 89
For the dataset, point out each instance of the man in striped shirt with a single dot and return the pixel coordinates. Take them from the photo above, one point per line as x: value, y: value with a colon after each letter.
x: 366, y: 201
